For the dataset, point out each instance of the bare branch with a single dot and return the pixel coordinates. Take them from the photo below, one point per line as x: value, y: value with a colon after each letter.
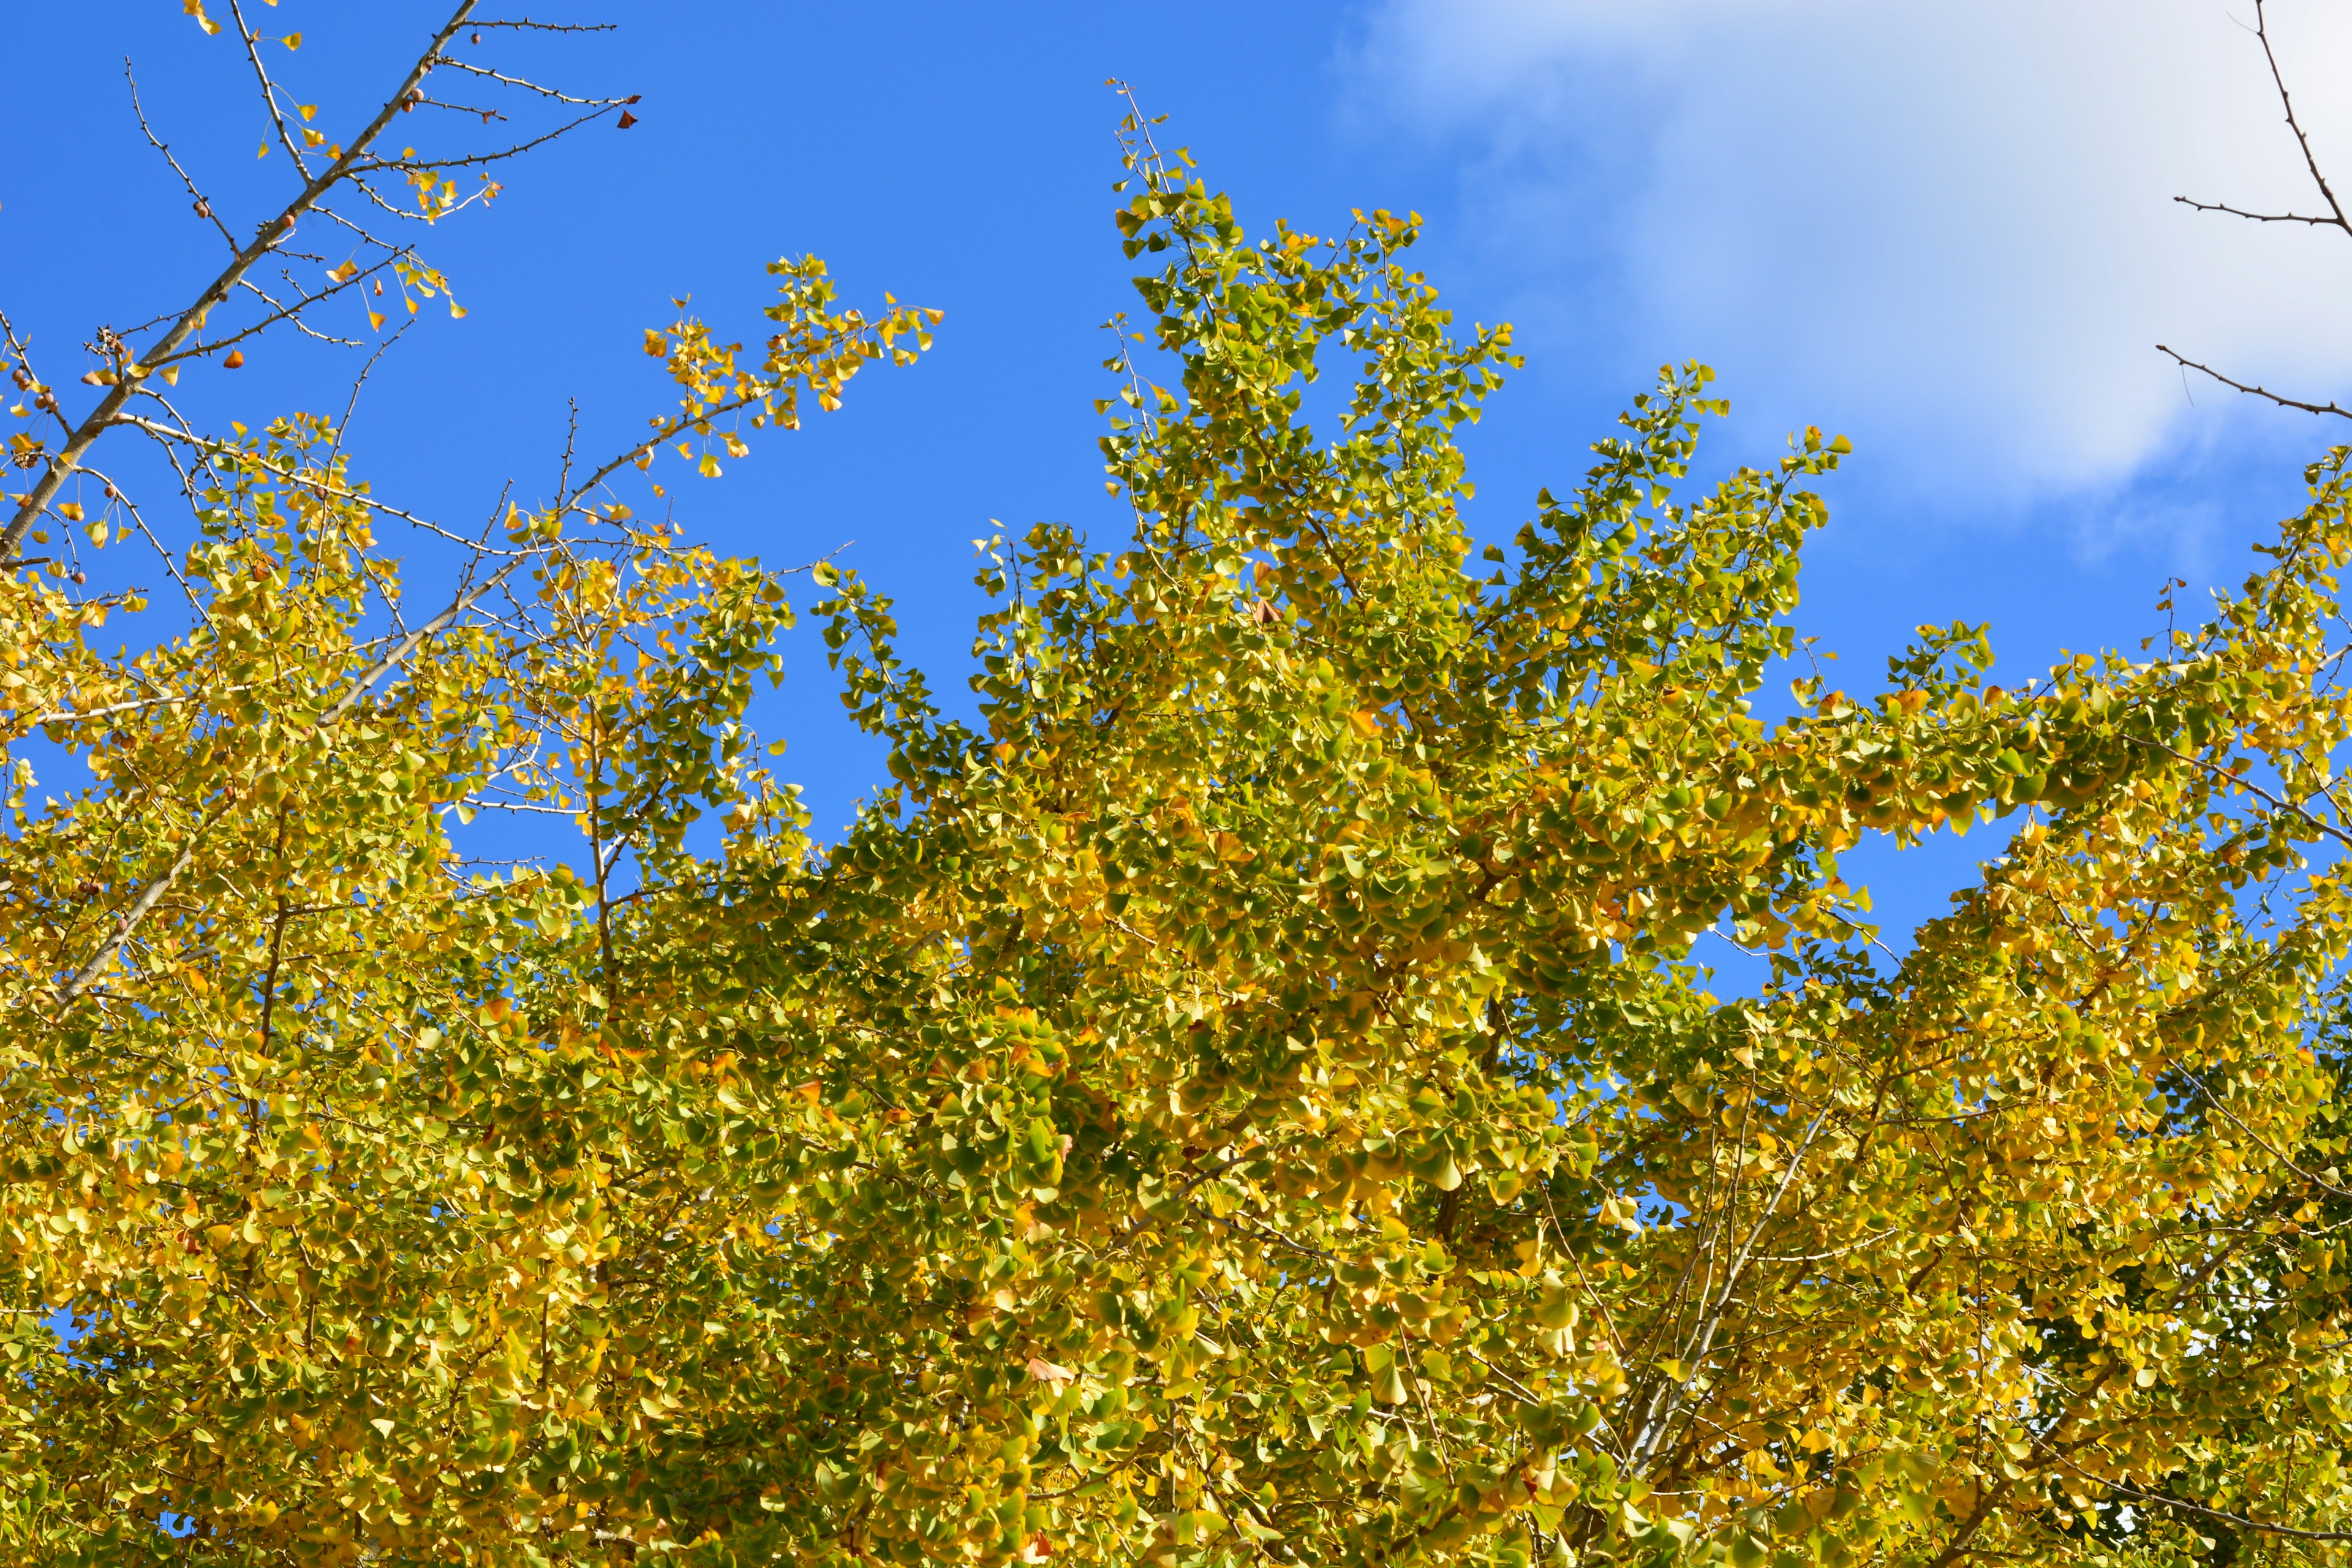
x: 2286, y: 105
x: 529, y: 86
x: 2334, y: 219
x: 359, y: 384
x: 521, y: 23
x: 2263, y: 392
x: 204, y: 208
x: 191, y: 321
x: 473, y: 160
x: 2258, y: 217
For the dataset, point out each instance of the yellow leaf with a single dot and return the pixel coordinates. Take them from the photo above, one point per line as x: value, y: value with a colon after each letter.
x: 457, y: 312
x: 709, y: 465
x: 293, y: 40
x: 375, y: 320
x: 263, y: 152
x: 70, y: 510
x: 309, y: 110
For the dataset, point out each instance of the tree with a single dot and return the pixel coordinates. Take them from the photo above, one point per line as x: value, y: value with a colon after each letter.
x: 229, y: 960
x: 1246, y: 1093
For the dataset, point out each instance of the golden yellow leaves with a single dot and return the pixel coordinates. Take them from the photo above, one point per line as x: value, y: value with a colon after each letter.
x: 1202, y: 1104
x: 818, y: 350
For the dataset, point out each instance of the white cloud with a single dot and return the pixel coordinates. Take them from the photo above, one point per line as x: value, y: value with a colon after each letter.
x: 1947, y: 228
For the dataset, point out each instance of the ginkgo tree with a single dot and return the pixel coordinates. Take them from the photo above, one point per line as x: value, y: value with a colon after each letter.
x: 1249, y: 1093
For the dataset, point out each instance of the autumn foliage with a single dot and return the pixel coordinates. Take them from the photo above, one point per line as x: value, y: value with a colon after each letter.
x: 1249, y: 1092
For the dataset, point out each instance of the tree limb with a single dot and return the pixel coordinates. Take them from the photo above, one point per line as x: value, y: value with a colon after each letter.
x: 191, y: 319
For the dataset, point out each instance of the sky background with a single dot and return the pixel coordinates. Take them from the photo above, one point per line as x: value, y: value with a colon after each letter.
x: 1948, y: 232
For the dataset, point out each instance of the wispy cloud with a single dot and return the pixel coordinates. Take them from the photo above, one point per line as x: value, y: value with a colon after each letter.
x: 1948, y: 230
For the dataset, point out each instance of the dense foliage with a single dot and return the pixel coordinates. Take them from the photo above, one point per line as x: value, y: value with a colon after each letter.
x: 1245, y: 1094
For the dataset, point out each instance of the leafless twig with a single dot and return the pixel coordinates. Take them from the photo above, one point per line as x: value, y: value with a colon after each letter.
x: 2253, y: 390
x: 204, y: 208
x: 2334, y: 219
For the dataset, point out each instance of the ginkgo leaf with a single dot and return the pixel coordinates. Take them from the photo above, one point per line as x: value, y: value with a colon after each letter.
x: 1245, y: 1088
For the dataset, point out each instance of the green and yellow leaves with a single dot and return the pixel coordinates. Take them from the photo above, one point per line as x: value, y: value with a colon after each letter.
x: 1247, y: 1092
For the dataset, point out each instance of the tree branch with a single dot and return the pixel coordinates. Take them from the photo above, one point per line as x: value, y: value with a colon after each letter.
x: 191, y: 319
x: 2263, y: 392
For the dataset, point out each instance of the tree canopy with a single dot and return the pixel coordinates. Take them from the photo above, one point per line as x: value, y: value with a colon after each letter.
x: 1249, y: 1092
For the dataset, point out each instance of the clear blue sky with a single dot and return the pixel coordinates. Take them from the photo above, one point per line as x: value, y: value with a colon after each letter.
x: 1948, y: 237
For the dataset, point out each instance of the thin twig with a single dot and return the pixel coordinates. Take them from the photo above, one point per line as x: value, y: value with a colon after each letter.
x: 2263, y: 392
x: 2225, y: 208
x: 204, y: 208
x: 2336, y: 219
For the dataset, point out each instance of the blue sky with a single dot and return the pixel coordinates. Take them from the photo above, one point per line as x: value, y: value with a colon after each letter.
x: 1945, y: 231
